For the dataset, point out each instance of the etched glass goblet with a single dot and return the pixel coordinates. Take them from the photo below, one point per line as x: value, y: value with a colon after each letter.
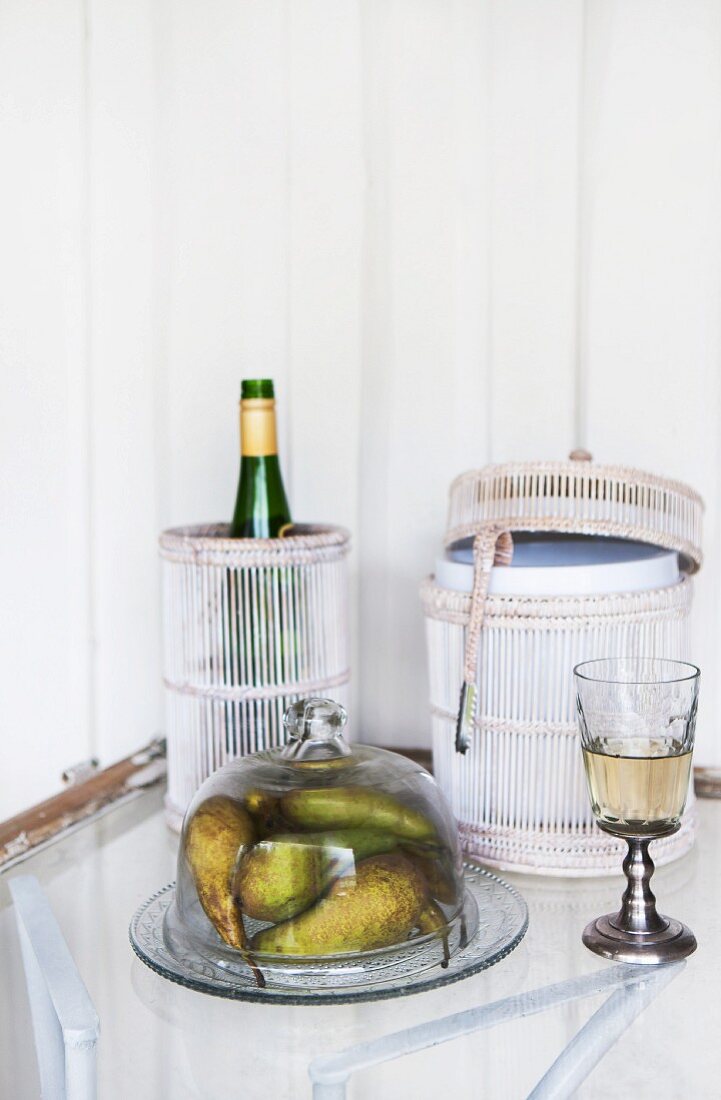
x: 637, y: 719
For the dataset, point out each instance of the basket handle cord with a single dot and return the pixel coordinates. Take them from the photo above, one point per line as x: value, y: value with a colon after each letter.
x: 493, y: 545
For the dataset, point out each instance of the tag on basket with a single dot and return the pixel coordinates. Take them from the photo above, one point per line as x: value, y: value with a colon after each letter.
x: 466, y: 716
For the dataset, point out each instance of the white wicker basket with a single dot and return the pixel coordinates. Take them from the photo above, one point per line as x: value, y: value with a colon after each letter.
x: 519, y: 792
x: 250, y: 626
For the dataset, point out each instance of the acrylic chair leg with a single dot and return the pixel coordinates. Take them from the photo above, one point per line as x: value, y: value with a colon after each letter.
x: 65, y: 1023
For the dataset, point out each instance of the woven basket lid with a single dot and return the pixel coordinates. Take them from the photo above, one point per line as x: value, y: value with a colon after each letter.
x: 578, y: 497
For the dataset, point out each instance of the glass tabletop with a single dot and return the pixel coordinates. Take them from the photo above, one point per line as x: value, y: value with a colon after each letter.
x: 159, y: 1039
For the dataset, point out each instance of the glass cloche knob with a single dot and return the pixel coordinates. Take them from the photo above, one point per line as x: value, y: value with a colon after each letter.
x: 315, y: 730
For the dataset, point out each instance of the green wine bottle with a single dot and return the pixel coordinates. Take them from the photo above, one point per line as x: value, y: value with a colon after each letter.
x: 261, y: 506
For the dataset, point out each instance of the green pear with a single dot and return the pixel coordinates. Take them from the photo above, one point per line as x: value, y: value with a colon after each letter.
x: 278, y: 878
x: 376, y: 907
x: 284, y: 874
x: 216, y: 835
x: 341, y: 807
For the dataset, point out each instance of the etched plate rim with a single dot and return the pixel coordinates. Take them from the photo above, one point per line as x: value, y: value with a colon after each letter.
x: 200, y: 975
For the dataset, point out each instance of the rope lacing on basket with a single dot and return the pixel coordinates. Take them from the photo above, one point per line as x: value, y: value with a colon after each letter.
x: 493, y: 545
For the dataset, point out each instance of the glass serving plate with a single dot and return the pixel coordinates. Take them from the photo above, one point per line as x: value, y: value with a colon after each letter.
x: 501, y: 922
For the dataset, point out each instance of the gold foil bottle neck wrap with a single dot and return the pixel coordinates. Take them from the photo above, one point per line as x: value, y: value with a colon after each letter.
x: 257, y: 426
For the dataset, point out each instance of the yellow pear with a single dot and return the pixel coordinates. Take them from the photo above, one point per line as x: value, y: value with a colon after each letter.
x: 216, y: 835
x: 377, y: 906
x: 347, y: 807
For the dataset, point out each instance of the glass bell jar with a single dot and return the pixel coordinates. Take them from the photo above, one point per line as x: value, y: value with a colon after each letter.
x: 321, y: 863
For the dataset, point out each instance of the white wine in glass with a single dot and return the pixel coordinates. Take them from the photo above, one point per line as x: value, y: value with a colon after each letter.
x: 638, y: 791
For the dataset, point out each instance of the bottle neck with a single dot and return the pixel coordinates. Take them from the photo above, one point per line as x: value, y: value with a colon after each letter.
x: 258, y: 434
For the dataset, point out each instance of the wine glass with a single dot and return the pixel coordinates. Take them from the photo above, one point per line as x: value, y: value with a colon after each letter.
x: 637, y: 718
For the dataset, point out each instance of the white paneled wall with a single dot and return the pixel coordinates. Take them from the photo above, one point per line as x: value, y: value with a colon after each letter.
x: 454, y: 231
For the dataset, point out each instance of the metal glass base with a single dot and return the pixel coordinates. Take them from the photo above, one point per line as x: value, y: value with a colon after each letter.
x: 668, y: 945
x: 638, y: 932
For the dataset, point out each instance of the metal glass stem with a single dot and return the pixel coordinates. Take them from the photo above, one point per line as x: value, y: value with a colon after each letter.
x: 638, y: 905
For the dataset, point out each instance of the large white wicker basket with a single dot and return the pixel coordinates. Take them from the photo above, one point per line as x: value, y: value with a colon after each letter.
x: 250, y: 626
x: 519, y: 791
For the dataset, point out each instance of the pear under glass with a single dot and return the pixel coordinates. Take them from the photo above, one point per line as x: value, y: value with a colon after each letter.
x: 319, y: 862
